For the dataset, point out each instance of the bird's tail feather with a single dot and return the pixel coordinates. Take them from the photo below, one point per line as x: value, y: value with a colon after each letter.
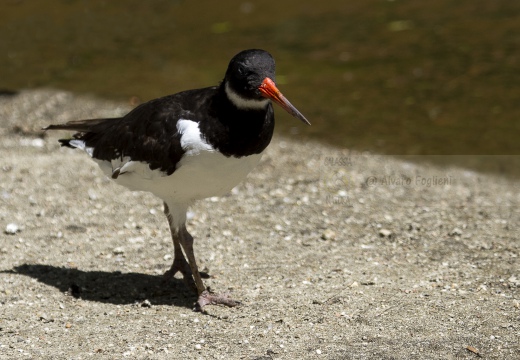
x: 88, y: 125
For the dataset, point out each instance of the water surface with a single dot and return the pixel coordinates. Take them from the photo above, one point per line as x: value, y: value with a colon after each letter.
x: 393, y: 77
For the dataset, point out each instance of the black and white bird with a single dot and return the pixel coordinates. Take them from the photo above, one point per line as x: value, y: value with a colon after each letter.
x: 189, y: 146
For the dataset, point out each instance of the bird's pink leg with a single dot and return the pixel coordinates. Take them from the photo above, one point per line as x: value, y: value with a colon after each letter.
x: 179, y: 261
x: 205, y: 297
x: 182, y: 240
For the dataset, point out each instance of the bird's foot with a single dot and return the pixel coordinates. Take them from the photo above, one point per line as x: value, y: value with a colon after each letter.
x: 208, y: 298
x: 182, y: 266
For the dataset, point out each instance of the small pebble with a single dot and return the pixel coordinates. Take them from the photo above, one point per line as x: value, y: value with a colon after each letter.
x: 11, y: 229
x: 92, y: 194
x: 455, y: 232
x: 385, y: 233
x: 227, y: 233
x: 328, y: 235
x: 146, y: 303
x: 118, y: 250
x: 318, y: 351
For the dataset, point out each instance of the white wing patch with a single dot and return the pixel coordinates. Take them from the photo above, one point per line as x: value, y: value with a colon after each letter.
x: 191, y: 139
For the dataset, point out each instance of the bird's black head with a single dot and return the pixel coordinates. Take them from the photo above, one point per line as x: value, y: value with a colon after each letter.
x: 250, y: 82
x: 246, y: 72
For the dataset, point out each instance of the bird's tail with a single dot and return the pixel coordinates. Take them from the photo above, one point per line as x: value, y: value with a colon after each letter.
x: 85, y: 129
x: 88, y: 125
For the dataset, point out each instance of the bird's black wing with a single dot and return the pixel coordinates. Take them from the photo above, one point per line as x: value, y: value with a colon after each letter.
x: 148, y: 134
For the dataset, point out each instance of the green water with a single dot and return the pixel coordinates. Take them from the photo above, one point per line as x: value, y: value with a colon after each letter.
x: 395, y: 77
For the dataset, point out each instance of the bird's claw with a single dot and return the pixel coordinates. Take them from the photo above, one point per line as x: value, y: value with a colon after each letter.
x: 207, y: 298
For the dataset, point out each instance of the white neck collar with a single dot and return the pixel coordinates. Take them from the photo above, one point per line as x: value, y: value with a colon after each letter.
x: 244, y: 104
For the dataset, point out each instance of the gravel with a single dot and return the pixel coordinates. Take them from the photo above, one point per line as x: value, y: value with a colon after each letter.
x: 334, y: 254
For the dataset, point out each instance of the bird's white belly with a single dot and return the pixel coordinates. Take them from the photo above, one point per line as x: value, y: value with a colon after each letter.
x: 198, y: 176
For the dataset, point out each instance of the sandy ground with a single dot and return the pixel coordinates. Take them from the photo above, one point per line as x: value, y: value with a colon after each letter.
x: 334, y: 255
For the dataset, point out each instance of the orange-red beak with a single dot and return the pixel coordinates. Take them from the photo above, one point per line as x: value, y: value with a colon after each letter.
x: 270, y: 91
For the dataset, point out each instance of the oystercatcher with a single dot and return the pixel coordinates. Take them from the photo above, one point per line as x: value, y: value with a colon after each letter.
x: 189, y: 146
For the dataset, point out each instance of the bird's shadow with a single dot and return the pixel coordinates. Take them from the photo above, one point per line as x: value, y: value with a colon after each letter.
x: 111, y: 287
